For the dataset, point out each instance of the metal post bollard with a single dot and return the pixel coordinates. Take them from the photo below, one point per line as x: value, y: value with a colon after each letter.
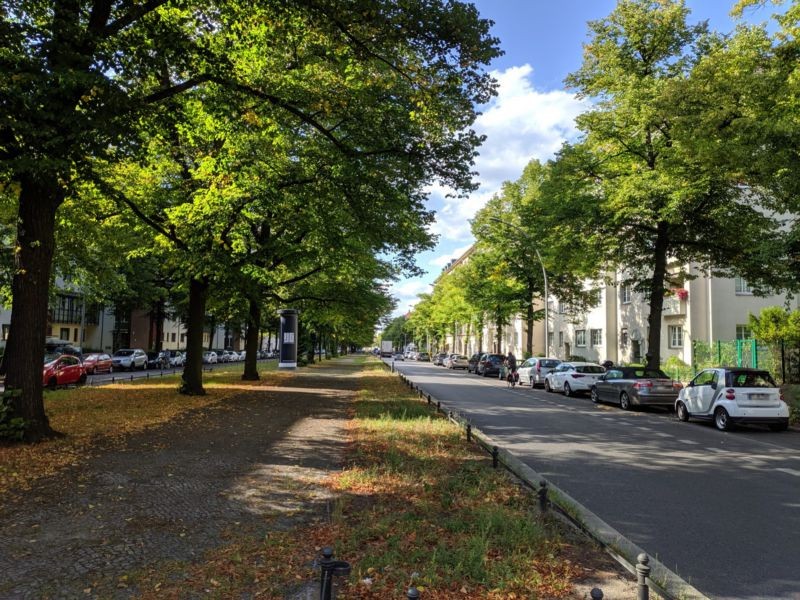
x: 438, y: 405
x: 642, y: 573
x: 495, y: 456
x: 596, y: 594
x: 429, y: 398
x: 542, y: 494
x: 469, y: 432
x: 413, y: 593
x: 330, y: 568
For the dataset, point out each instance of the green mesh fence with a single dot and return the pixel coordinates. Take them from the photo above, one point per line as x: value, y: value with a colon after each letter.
x: 740, y: 353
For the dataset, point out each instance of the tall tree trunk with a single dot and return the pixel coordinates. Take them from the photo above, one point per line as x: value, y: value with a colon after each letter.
x: 192, y: 380
x: 39, y: 200
x: 312, y: 343
x: 499, y: 325
x: 653, y: 354
x: 212, y: 331
x: 529, y: 319
x: 251, y: 342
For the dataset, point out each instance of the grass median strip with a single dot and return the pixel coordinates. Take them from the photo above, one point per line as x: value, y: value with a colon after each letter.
x: 87, y: 416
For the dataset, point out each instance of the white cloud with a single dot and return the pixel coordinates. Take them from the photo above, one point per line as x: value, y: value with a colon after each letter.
x: 520, y: 124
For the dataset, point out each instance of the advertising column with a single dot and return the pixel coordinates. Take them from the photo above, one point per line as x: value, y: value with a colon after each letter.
x: 288, y: 341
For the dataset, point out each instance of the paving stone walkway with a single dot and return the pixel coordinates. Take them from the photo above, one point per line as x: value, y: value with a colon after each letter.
x: 171, y: 492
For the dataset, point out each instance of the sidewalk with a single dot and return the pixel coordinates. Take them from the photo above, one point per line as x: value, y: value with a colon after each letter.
x: 173, y: 492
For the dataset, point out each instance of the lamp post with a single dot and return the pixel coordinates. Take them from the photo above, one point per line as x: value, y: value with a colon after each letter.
x: 544, y: 275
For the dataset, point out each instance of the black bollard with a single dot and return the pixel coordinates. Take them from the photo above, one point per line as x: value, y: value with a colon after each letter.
x: 429, y: 398
x: 596, y: 594
x: 642, y: 573
x: 495, y: 456
x: 469, y: 432
x: 330, y: 568
x: 542, y: 494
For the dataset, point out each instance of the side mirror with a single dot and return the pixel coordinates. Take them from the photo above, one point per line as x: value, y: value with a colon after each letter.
x: 690, y: 384
x: 713, y: 385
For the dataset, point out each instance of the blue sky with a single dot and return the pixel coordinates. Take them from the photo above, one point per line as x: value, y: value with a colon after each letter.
x: 533, y: 112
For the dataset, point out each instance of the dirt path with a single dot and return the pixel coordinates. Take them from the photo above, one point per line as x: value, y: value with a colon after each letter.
x: 172, y: 492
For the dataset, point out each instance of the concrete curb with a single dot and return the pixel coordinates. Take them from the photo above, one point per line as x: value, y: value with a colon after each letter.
x: 624, y: 551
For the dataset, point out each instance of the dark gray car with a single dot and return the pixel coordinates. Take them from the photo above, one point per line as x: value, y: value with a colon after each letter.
x: 636, y: 386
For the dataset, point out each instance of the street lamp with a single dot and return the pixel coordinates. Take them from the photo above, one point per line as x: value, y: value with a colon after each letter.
x: 544, y: 275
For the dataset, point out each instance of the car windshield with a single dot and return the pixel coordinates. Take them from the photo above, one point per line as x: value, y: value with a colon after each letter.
x: 590, y: 369
x: 495, y: 358
x: 123, y: 353
x: 50, y: 357
x: 645, y: 374
x: 749, y: 379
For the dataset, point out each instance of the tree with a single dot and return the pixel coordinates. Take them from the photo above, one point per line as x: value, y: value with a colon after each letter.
x: 654, y: 201
x: 391, y: 90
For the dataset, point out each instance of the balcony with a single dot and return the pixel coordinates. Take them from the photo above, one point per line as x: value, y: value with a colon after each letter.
x: 73, y: 316
x: 674, y: 307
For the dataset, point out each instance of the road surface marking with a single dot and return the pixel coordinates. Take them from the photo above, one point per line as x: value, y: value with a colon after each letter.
x: 693, y: 443
x: 790, y: 472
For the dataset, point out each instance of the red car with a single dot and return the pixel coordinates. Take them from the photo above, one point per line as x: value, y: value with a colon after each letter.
x: 63, y: 370
x: 97, y: 363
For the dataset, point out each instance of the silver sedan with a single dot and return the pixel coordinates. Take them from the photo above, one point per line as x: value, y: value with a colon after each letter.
x: 636, y: 386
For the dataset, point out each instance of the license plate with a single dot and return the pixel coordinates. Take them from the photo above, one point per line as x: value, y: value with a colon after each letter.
x: 759, y: 396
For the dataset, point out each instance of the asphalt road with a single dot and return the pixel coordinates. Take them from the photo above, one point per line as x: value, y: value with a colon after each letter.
x: 722, y: 510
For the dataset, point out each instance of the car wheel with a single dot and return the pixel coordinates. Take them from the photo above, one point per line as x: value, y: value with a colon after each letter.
x: 52, y: 383
x: 682, y: 412
x: 547, y: 387
x: 779, y: 426
x: 595, y: 397
x: 567, y: 389
x: 721, y: 419
x: 624, y: 401
x: 82, y: 379
x: 485, y: 373
x: 533, y: 384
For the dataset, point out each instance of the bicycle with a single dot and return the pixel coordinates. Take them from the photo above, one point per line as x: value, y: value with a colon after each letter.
x: 512, y: 379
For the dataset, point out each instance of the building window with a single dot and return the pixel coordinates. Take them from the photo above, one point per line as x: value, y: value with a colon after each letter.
x: 580, y: 338
x: 75, y: 335
x: 173, y: 336
x: 625, y: 294
x: 675, y: 336
x: 743, y: 332
x: 560, y: 338
x: 597, y: 337
x: 183, y: 338
x: 64, y: 333
x: 623, y: 337
x: 742, y: 287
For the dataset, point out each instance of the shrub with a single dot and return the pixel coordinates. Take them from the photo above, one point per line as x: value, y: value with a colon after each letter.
x: 11, y: 428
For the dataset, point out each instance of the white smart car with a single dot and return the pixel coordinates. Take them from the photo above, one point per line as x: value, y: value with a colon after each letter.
x: 573, y: 377
x: 733, y: 395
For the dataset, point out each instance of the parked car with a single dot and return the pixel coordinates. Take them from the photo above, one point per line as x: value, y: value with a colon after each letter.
x: 573, y: 377
x: 210, y: 358
x: 731, y: 396
x: 63, y: 369
x: 438, y: 359
x: 472, y: 366
x: 423, y: 356
x: 636, y: 386
x: 129, y: 358
x: 399, y: 356
x: 227, y: 356
x: 490, y: 364
x: 458, y: 361
x: 176, y: 358
x: 98, y: 362
x: 157, y: 360
x: 533, y: 371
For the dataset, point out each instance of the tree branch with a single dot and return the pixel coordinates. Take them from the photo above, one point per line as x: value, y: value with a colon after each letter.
x: 174, y: 90
x: 137, y: 12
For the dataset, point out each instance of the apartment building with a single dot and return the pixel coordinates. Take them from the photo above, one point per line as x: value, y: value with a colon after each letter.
x: 702, y: 308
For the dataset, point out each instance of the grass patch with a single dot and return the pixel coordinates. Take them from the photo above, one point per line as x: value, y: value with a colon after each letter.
x: 90, y: 415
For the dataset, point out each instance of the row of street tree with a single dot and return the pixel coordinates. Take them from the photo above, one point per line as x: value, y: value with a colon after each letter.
x: 688, y: 153
x: 226, y: 156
